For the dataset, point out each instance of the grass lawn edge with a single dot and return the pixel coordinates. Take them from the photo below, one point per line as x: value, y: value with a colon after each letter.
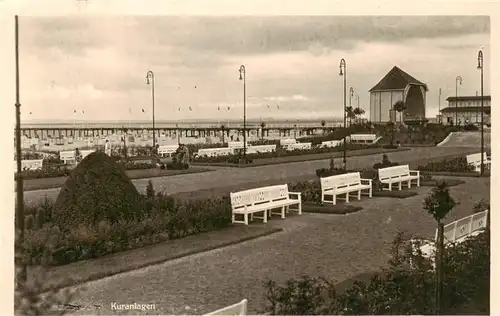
x: 395, y: 194
x: 98, y: 276
x: 434, y: 182
x: 338, y: 209
x: 233, y: 165
x: 47, y: 186
x: 470, y: 174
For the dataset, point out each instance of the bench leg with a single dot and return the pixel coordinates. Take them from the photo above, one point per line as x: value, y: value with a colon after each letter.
x: 418, y: 181
x: 265, y: 216
x: 300, y: 208
x: 334, y: 199
x: 370, y: 194
x: 283, y: 211
x: 409, y: 184
x: 246, y: 218
x: 347, y: 197
x: 390, y: 186
x: 400, y: 185
x: 359, y: 195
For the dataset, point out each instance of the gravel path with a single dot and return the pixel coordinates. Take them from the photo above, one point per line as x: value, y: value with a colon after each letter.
x: 337, y: 247
x: 228, y: 176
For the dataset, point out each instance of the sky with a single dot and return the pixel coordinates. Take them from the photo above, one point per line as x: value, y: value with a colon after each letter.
x: 97, y: 66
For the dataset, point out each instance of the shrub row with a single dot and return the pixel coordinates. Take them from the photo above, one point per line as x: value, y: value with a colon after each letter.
x: 280, y: 152
x: 457, y: 164
x: 160, y: 218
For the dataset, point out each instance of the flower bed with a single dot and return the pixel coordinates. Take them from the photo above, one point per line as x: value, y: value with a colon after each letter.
x: 160, y: 218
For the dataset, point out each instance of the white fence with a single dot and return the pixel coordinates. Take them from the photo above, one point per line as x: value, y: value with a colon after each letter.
x: 214, y: 152
x: 300, y: 146
x: 458, y: 231
x: 235, y: 309
x: 287, y: 141
x: 31, y: 164
x: 363, y: 138
x: 261, y: 149
x: 331, y: 143
x: 236, y: 145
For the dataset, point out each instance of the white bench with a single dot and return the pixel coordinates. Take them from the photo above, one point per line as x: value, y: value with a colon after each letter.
x: 475, y: 161
x: 235, y: 309
x: 344, y: 184
x: 264, y: 200
x: 398, y: 175
x: 167, y: 150
x: 287, y: 141
x: 214, y: 152
x: 330, y: 144
x: 29, y: 164
x: 363, y: 138
x: 299, y: 146
x: 457, y: 232
x: 261, y: 149
x: 68, y: 157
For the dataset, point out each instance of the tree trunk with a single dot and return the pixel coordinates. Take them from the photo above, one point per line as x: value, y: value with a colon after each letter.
x: 439, y: 268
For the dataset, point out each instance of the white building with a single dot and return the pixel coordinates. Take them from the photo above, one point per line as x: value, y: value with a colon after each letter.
x: 466, y: 109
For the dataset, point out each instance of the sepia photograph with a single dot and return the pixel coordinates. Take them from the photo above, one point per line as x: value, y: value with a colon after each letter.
x: 251, y: 164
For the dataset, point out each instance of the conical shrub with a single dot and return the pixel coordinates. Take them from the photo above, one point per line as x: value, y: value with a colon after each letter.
x: 97, y: 189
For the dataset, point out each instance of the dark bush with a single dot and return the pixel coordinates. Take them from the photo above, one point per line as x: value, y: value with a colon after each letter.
x: 385, y: 163
x: 457, y: 164
x: 97, y: 189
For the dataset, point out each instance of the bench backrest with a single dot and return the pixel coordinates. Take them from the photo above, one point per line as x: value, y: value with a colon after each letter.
x: 476, y: 158
x: 30, y: 164
x: 287, y: 141
x: 67, y: 155
x: 340, y: 180
x: 167, y: 149
x: 464, y: 227
x: 235, y: 309
x: 258, y: 195
x: 393, y: 172
x: 363, y: 137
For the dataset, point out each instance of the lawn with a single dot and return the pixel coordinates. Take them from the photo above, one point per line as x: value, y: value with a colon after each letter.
x: 56, y: 182
x: 299, y: 158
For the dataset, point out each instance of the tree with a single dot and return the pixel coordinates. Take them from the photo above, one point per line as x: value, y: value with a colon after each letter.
x: 358, y: 112
x: 262, y: 125
x: 390, y: 129
x: 400, y: 106
x: 438, y: 204
x: 323, y: 124
x: 349, y: 112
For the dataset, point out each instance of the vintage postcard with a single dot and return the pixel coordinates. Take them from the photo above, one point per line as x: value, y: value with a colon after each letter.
x: 220, y: 159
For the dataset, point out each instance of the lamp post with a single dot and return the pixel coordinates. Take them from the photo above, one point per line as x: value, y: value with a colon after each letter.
x: 344, y: 73
x: 439, y: 105
x: 480, y: 67
x: 243, y: 77
x: 351, y: 94
x: 19, y: 176
x: 150, y: 79
x: 458, y: 80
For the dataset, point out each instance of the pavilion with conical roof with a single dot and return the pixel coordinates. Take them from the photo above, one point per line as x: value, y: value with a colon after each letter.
x: 397, y: 85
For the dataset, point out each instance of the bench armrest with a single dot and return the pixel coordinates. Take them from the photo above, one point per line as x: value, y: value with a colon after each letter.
x: 298, y: 194
x: 366, y: 181
x: 415, y: 172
